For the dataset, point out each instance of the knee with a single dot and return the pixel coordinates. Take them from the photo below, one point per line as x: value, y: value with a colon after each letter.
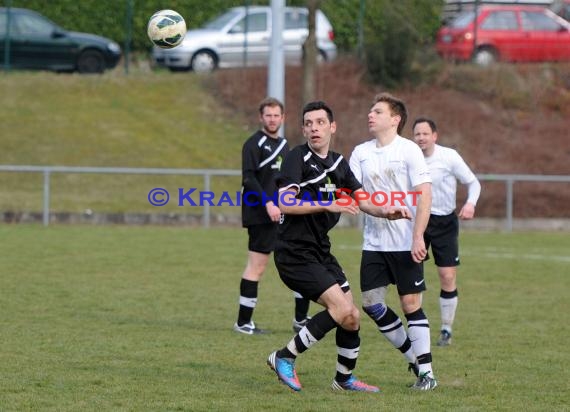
x: 411, y: 303
x: 350, y: 318
x: 375, y: 311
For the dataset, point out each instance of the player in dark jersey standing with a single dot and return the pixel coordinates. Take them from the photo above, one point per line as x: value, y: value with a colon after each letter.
x: 309, y: 186
x: 262, y: 155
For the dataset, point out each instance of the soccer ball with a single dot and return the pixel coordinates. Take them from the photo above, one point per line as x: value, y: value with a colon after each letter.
x: 166, y: 29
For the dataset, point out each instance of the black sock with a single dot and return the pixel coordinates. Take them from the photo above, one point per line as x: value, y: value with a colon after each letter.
x: 247, y: 300
x: 301, y: 308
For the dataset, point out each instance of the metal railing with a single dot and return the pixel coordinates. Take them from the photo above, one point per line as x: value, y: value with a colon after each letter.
x: 47, y: 171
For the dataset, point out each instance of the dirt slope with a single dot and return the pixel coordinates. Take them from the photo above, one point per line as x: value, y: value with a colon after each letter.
x: 531, y: 137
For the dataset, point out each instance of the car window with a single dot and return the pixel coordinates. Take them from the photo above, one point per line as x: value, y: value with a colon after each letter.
x: 220, y: 22
x: 500, y: 20
x: 536, y: 21
x: 296, y: 20
x: 462, y: 20
x: 32, y: 25
x: 255, y: 22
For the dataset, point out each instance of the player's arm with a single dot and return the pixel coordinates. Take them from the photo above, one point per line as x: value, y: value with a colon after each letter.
x: 290, y: 204
x: 467, y: 178
x: 473, y: 191
x: 423, y: 209
x: 388, y: 212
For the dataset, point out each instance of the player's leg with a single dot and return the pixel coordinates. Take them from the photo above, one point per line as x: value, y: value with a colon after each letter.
x: 260, y: 245
x: 373, y: 274
x: 348, y: 348
x: 445, y: 250
x: 411, y: 284
x: 301, y: 311
x: 448, y: 300
x: 316, y: 281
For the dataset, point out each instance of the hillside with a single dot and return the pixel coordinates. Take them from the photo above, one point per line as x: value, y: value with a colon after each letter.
x: 513, y: 119
x: 506, y: 120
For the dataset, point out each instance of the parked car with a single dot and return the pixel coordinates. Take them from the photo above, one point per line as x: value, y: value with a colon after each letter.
x: 38, y: 43
x: 506, y: 33
x: 223, y: 42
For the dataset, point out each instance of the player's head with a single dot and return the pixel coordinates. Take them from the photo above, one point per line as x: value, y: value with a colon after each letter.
x: 396, y: 108
x: 425, y: 134
x: 271, y: 115
x: 318, y: 126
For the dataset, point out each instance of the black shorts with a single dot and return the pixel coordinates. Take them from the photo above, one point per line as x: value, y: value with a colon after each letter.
x: 311, y: 279
x: 442, y: 233
x: 379, y: 269
x: 262, y: 237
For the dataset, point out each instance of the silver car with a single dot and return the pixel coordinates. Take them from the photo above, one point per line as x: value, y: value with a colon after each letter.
x: 223, y: 41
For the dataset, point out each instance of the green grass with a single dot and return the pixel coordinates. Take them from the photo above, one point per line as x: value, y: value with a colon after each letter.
x: 142, y: 120
x: 139, y: 318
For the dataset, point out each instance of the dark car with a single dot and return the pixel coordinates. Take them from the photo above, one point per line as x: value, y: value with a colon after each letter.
x: 514, y: 33
x: 38, y: 43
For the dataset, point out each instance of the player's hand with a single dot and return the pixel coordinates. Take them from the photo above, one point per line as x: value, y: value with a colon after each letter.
x: 467, y: 211
x: 419, y: 251
x: 273, y: 211
x: 351, y: 209
x: 398, y: 212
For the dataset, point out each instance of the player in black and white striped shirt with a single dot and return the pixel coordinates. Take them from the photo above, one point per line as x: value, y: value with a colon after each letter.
x: 262, y: 155
x: 309, y: 184
x: 446, y: 168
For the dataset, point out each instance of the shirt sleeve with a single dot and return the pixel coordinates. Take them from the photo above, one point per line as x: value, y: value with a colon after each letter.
x: 463, y: 173
x: 417, y: 166
x: 250, y: 163
x: 350, y: 180
x: 354, y: 164
x: 291, y: 171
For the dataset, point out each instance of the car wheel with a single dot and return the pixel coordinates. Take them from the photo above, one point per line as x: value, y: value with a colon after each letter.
x: 203, y: 62
x: 485, y: 57
x: 90, y: 61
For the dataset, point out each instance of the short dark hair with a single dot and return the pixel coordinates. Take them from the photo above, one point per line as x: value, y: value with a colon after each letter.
x: 270, y: 102
x: 397, y: 107
x: 427, y: 120
x: 318, y: 105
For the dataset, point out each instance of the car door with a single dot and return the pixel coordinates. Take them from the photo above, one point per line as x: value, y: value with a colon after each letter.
x: 549, y: 40
x: 247, y: 41
x: 38, y: 44
x: 501, y: 30
x: 295, y: 34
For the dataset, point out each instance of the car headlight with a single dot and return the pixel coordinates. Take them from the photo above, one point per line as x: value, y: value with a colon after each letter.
x: 114, y: 47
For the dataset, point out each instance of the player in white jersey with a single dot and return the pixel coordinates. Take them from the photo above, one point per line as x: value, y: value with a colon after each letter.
x: 392, y: 167
x: 446, y: 168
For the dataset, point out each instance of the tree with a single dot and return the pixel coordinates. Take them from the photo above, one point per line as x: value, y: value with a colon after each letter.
x: 310, y: 54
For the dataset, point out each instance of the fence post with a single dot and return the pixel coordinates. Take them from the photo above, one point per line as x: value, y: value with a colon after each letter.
x: 509, y: 182
x: 46, y: 197
x: 206, y: 217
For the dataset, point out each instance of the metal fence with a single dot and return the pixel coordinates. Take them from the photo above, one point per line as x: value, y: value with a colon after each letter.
x: 47, y: 171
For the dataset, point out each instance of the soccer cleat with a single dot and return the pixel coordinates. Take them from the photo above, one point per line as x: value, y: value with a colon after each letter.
x: 424, y: 383
x: 285, y: 370
x: 353, y: 384
x: 413, y: 367
x: 444, y: 338
x: 249, y: 329
x: 298, y: 325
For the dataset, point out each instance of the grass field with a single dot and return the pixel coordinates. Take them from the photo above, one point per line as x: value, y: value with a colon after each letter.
x: 139, y: 318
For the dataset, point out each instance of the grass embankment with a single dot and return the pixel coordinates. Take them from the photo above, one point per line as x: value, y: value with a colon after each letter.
x: 156, y: 120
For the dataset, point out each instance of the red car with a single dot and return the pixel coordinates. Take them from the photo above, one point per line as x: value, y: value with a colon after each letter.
x: 506, y: 33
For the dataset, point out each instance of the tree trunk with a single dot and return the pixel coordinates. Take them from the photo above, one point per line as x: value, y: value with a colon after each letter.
x: 310, y: 54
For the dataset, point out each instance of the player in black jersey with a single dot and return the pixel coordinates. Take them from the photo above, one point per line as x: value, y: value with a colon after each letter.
x: 309, y: 184
x: 262, y: 155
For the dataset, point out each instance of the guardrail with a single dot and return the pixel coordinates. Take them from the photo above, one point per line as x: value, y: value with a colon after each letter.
x: 47, y: 171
